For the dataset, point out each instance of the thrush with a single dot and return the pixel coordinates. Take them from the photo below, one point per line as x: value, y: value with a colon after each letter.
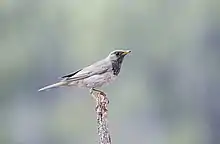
x: 96, y: 75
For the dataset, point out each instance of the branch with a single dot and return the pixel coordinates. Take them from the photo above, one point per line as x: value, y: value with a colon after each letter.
x: 102, y: 113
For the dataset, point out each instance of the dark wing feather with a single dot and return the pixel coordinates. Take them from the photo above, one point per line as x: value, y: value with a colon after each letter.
x: 97, y: 68
x: 86, y: 74
x: 94, y: 69
x: 71, y: 74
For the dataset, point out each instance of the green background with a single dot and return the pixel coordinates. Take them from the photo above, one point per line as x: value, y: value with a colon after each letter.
x: 168, y: 91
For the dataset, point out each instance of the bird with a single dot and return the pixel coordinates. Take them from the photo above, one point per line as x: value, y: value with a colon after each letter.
x: 95, y: 75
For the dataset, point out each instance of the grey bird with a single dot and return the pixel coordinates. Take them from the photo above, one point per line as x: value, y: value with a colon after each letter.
x: 96, y: 75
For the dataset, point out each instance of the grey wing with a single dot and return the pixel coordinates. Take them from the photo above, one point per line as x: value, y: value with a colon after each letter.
x: 71, y: 74
x: 97, y: 68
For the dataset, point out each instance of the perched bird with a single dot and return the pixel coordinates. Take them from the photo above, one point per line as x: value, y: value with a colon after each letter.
x: 96, y: 75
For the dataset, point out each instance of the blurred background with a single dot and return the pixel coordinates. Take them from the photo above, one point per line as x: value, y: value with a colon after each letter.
x: 168, y: 91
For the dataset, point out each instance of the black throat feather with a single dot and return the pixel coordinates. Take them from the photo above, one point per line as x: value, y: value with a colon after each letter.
x: 116, y: 65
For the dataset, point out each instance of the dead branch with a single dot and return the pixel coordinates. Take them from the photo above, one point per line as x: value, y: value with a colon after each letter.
x: 102, y: 113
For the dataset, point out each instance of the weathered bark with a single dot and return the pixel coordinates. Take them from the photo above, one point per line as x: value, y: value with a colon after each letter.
x: 102, y: 113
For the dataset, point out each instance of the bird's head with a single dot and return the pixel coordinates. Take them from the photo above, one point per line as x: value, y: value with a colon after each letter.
x: 118, y: 54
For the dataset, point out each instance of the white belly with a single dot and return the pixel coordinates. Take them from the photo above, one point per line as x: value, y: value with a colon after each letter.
x: 95, y: 81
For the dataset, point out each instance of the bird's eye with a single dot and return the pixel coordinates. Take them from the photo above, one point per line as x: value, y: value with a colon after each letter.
x: 117, y: 53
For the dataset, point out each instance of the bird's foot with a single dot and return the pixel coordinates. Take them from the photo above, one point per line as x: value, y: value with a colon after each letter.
x: 101, y: 99
x: 96, y: 90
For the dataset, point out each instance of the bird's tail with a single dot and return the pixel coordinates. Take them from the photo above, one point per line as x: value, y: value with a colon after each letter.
x: 53, y: 86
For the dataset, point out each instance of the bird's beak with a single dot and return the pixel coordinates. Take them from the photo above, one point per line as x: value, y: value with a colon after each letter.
x: 126, y: 52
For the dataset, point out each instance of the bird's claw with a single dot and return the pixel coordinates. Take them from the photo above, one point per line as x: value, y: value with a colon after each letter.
x: 101, y: 99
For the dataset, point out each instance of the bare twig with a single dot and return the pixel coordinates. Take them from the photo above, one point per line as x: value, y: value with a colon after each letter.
x: 102, y: 113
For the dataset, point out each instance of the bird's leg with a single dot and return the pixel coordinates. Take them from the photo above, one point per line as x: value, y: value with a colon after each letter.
x: 91, y: 91
x: 99, y: 96
x: 101, y: 93
x: 96, y: 90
